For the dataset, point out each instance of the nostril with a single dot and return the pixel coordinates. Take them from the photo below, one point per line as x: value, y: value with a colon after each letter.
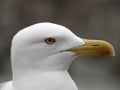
x: 95, y: 45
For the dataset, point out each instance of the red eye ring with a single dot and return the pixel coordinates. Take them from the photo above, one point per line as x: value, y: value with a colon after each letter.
x: 50, y: 40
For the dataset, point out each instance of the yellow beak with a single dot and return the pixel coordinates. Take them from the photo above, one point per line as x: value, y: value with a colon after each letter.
x: 94, y: 47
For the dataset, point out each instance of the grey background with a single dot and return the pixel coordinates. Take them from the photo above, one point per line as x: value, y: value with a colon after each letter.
x: 95, y: 19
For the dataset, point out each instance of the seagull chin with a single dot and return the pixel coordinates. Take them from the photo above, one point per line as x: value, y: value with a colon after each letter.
x: 42, y: 53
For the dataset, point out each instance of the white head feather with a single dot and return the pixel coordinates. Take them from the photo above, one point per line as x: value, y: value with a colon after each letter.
x: 31, y: 55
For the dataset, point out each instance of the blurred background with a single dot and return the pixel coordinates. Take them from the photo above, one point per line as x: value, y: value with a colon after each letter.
x: 94, y: 19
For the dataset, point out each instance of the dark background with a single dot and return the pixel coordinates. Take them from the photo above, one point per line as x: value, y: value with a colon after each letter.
x: 95, y: 19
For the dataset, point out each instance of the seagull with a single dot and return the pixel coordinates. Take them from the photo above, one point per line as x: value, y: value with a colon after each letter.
x: 42, y: 53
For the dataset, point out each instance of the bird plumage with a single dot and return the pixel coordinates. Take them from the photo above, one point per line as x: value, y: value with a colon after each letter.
x: 38, y: 64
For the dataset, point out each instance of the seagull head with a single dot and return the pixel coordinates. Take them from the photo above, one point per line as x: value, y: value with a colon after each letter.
x: 48, y: 46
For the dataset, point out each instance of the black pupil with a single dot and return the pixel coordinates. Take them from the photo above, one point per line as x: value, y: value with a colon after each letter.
x: 49, y: 40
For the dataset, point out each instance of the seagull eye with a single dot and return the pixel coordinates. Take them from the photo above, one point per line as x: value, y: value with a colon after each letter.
x: 50, y: 40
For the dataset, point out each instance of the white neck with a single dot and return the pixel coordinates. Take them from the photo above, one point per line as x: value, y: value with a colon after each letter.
x: 44, y: 75
x: 54, y: 80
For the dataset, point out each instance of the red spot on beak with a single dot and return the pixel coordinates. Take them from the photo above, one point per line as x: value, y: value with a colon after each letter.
x: 103, y: 52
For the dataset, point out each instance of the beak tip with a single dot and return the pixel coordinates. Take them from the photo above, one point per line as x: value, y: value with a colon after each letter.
x: 106, y: 49
x: 113, y: 53
x: 112, y: 50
